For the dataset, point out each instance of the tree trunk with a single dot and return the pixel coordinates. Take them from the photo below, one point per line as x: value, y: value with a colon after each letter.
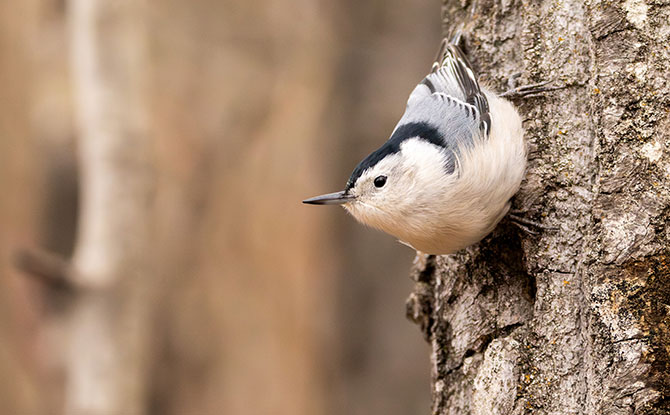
x: 573, y: 320
x: 106, y: 358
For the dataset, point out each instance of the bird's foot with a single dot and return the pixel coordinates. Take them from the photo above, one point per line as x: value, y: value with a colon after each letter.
x: 524, y: 223
x: 530, y: 90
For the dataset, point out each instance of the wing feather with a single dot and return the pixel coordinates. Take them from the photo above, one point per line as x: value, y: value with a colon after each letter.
x: 447, y: 108
x: 452, y: 76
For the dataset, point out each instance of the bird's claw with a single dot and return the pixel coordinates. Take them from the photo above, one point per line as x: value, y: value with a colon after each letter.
x: 523, y: 224
x: 530, y: 90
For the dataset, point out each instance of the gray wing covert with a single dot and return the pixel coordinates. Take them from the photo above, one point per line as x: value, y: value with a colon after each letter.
x: 450, y: 99
x: 455, y: 121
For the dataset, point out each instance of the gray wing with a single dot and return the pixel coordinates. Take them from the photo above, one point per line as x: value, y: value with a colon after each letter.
x: 449, y: 99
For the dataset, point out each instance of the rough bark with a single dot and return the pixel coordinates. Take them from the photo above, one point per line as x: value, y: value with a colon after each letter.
x: 573, y: 320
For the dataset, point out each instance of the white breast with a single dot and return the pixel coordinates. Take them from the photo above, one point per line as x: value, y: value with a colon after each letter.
x: 490, y: 173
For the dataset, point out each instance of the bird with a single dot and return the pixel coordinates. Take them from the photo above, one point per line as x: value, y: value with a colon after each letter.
x: 445, y: 177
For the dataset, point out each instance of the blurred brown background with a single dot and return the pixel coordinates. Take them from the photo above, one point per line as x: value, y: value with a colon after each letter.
x: 262, y: 305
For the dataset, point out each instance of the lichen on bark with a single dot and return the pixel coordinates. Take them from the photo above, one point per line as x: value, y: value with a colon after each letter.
x: 573, y: 320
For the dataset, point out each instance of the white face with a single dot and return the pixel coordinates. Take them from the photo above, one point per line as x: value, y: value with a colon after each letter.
x: 399, y: 193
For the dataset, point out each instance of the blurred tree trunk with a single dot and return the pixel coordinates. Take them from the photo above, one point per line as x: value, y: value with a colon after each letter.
x: 106, y: 362
x: 572, y: 321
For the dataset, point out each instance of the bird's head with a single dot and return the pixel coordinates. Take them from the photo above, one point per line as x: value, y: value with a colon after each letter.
x: 397, y: 187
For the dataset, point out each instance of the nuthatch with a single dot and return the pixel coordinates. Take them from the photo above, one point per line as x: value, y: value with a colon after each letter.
x: 446, y: 176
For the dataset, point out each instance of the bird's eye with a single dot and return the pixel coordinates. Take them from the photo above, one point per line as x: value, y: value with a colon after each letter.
x: 380, y: 181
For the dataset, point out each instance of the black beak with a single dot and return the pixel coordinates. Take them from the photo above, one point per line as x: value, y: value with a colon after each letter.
x: 336, y: 198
